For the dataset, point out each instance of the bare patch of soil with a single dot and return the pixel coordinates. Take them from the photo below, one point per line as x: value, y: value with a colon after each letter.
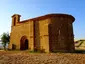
x: 41, y: 58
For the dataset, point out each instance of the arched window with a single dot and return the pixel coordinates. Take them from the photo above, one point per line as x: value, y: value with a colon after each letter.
x: 14, y: 21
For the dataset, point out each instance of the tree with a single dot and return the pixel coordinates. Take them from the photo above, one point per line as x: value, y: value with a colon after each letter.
x: 5, y: 38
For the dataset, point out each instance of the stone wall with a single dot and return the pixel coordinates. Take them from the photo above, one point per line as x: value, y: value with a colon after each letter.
x: 21, y: 30
x: 61, y: 34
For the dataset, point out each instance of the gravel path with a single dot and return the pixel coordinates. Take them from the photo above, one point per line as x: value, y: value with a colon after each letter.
x: 41, y: 58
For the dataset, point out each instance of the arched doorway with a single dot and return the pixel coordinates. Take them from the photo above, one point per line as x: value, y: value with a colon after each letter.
x: 24, y: 43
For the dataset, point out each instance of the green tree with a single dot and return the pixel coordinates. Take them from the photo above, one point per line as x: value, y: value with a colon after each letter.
x: 5, y: 38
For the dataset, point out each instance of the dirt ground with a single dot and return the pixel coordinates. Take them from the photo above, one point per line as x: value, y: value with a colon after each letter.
x: 18, y: 57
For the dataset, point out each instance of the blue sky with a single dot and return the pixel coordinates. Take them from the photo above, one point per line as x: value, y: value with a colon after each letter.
x: 33, y: 8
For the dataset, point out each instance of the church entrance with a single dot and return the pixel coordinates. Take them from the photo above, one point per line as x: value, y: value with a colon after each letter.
x: 24, y: 43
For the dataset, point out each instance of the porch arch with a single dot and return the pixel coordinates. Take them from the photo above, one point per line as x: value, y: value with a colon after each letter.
x: 24, y: 43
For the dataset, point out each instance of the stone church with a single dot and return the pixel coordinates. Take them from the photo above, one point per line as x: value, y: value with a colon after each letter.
x: 49, y: 33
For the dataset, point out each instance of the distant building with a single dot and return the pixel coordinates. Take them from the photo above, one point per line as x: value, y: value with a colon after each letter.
x: 52, y: 32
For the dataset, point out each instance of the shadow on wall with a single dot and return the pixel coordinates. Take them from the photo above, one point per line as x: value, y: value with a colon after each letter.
x: 13, y: 47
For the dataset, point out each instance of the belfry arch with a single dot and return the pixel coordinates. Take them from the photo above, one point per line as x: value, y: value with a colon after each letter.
x: 24, y: 43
